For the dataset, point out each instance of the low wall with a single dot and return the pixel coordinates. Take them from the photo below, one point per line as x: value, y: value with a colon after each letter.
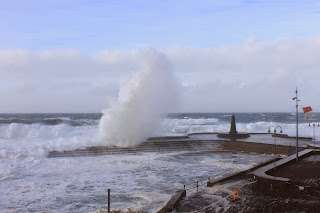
x: 212, y: 182
x: 168, y: 138
x: 263, y: 148
x: 151, y: 146
x: 174, y: 201
x: 312, y: 146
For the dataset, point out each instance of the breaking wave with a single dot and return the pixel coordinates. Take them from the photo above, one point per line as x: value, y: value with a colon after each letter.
x: 141, y: 103
x: 50, y: 121
x: 16, y: 130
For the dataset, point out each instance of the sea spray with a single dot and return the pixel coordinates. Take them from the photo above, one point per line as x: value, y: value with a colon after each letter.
x: 136, y: 113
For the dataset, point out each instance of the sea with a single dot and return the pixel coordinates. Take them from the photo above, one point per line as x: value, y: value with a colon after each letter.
x: 142, y: 182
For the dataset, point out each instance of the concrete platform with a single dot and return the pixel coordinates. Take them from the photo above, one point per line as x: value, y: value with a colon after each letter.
x: 283, y: 173
x: 258, y: 143
x: 304, y: 173
x: 154, y: 146
x: 312, y: 146
x: 258, y: 138
x: 301, y: 194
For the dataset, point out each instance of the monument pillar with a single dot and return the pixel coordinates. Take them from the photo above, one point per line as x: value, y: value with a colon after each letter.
x: 233, y: 134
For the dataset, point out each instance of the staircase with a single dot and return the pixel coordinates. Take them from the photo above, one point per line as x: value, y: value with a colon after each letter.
x: 158, y: 146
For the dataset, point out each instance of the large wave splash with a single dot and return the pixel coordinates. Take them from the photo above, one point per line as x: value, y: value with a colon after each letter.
x: 142, y: 102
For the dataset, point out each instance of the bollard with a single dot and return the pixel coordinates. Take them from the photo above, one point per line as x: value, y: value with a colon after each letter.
x: 197, y: 186
x: 108, y: 200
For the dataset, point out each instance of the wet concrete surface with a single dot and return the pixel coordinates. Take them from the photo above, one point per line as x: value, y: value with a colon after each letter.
x: 305, y: 172
x: 258, y: 138
x: 301, y: 195
x: 252, y: 198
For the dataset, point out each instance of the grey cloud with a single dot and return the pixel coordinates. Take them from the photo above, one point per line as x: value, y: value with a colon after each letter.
x: 252, y: 76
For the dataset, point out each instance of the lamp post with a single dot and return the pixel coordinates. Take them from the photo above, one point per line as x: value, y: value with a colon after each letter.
x: 314, y: 133
x: 275, y: 136
x: 297, y: 130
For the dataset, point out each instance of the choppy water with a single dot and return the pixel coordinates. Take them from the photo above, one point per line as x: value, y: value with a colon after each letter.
x: 31, y: 182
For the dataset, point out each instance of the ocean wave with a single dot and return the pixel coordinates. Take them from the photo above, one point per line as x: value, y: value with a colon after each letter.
x: 17, y: 130
x: 50, y: 121
x: 191, y: 121
x: 166, y: 127
x: 15, y: 120
x: 187, y: 126
x: 24, y: 140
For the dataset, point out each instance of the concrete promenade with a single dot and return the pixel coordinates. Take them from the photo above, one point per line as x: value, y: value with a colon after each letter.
x: 269, y: 174
x: 297, y: 190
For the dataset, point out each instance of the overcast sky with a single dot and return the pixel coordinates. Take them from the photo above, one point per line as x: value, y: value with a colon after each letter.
x: 228, y: 56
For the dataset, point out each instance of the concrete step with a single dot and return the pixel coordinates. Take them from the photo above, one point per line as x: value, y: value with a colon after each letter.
x: 167, y: 146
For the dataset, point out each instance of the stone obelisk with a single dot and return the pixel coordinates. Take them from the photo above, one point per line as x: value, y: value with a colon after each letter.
x: 233, y: 134
x: 233, y: 128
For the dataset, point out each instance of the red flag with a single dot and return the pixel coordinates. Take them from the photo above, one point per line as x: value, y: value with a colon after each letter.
x: 307, y: 109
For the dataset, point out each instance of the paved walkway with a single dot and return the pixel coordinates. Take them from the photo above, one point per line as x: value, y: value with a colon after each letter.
x: 305, y: 172
x: 255, y: 197
x: 251, y: 199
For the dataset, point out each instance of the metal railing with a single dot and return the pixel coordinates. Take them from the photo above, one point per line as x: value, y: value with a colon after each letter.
x: 196, y: 185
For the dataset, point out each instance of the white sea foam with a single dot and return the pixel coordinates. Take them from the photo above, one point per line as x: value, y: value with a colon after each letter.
x: 34, y: 183
x: 143, y: 182
x: 35, y: 140
x: 141, y: 102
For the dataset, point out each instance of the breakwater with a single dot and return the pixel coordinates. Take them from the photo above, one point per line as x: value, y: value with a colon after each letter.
x: 158, y: 146
x: 179, y: 145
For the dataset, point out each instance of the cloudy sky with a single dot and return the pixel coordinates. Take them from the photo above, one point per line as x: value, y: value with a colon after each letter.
x: 228, y: 56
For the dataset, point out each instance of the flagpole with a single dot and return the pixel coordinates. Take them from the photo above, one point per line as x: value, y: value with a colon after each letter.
x: 297, y: 128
